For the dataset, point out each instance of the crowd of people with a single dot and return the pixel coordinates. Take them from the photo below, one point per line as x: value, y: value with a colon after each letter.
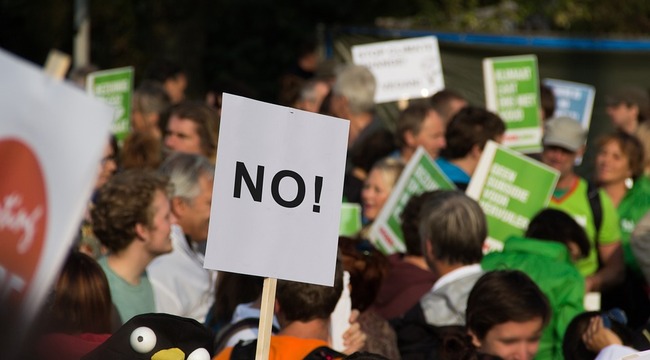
x: 140, y: 249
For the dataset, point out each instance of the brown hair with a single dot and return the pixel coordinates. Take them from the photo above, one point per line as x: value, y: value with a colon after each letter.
x: 471, y: 126
x: 367, y: 267
x: 82, y: 298
x: 631, y: 148
x: 501, y: 296
x: 141, y: 151
x: 206, y: 119
x: 305, y: 302
x: 124, y: 201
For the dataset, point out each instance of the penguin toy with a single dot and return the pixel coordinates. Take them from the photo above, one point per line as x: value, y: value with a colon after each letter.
x: 156, y: 337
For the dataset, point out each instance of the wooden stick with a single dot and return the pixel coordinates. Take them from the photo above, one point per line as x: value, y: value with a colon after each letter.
x: 57, y: 64
x: 266, y: 319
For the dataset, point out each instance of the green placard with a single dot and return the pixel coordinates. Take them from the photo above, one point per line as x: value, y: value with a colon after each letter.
x: 420, y: 174
x: 511, y: 189
x: 512, y: 91
x: 115, y: 86
x: 350, y: 223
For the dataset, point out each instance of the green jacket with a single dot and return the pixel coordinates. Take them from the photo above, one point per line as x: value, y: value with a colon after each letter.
x: 548, y: 264
x: 634, y: 205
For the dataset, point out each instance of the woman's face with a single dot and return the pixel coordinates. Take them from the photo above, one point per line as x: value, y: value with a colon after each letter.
x: 374, y: 194
x: 612, y: 164
x: 512, y: 340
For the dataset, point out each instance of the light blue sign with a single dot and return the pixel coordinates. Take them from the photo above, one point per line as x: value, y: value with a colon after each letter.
x: 572, y: 99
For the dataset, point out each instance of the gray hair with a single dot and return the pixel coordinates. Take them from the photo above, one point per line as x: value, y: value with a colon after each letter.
x: 455, y: 226
x: 150, y: 97
x: 357, y: 84
x: 184, y: 171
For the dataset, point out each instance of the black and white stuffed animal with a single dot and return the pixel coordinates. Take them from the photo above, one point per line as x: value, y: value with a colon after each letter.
x: 156, y: 337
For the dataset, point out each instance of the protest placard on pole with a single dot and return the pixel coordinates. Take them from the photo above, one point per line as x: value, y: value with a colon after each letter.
x: 51, y: 143
x: 511, y: 188
x: 420, y: 174
x: 512, y: 91
x: 572, y: 99
x: 404, y: 69
x: 115, y: 86
x: 277, y: 194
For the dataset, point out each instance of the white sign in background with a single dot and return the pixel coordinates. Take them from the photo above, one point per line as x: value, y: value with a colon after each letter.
x: 66, y: 131
x: 404, y: 69
x: 278, y: 188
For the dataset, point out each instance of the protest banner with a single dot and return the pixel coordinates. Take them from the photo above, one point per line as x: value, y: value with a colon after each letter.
x: 420, y: 174
x: 404, y: 69
x: 115, y: 86
x: 51, y: 143
x: 511, y: 188
x: 277, y: 196
x: 512, y: 91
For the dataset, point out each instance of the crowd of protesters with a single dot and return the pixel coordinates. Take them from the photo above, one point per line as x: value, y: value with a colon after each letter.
x: 140, y: 249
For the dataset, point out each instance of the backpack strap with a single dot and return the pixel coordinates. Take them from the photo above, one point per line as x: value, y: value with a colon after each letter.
x: 324, y: 353
x: 227, y: 332
x: 245, y: 350
x: 593, y: 194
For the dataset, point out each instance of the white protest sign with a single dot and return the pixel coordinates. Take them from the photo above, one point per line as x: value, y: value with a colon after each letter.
x: 278, y: 187
x: 404, y: 69
x: 51, y: 142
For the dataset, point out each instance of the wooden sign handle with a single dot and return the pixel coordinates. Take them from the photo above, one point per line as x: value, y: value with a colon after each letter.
x: 57, y: 64
x: 266, y: 319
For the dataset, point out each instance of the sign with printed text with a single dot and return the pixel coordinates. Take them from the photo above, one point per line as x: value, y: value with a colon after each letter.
x: 421, y: 174
x: 114, y: 86
x: 512, y: 91
x: 404, y: 69
x: 511, y: 188
x: 278, y: 186
x: 574, y: 100
x: 51, y: 142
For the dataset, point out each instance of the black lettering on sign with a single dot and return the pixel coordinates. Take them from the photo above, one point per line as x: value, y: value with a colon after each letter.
x: 255, y: 189
x: 275, y: 188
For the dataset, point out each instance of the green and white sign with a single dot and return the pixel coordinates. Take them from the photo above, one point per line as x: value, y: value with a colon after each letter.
x: 512, y: 91
x: 511, y: 189
x: 420, y: 174
x: 114, y: 86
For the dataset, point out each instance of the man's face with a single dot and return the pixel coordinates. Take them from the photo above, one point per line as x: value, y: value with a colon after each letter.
x: 559, y: 158
x: 512, y: 340
x: 182, y: 136
x: 621, y: 114
x: 156, y: 235
x: 194, y: 216
x: 432, y: 134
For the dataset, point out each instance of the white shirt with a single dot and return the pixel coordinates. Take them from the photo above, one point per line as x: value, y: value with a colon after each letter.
x: 181, y: 285
x: 456, y: 274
